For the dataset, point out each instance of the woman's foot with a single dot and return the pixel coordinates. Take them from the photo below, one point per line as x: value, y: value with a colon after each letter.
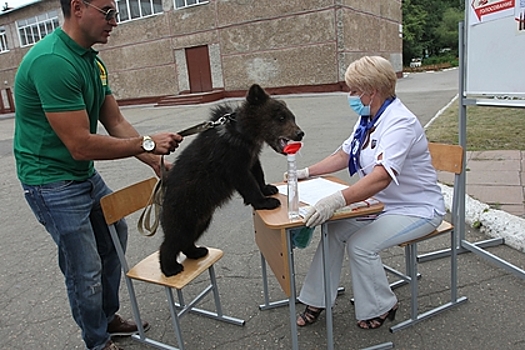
x: 309, y: 316
x: 377, y: 322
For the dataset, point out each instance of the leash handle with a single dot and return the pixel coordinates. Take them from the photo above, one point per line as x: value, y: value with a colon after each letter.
x: 145, y: 225
x: 163, y: 170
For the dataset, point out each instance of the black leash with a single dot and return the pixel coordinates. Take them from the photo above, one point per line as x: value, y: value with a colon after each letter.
x: 207, y: 125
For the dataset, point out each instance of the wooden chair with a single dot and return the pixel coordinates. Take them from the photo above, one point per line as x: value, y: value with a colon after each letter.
x: 126, y: 201
x: 447, y: 158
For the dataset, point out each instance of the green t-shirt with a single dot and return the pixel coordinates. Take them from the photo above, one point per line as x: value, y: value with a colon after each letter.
x: 56, y: 75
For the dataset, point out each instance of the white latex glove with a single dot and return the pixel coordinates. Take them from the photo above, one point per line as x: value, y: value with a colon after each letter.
x: 301, y: 174
x: 324, y: 209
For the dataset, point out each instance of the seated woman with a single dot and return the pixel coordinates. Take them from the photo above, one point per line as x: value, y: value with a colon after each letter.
x: 389, y: 151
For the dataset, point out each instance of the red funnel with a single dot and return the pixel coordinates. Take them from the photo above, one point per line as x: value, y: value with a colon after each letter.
x: 292, y: 147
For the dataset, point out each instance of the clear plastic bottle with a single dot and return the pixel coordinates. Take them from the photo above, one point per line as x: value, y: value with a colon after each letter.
x: 293, y: 189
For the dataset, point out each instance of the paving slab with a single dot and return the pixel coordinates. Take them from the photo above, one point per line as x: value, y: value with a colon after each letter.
x: 501, y: 194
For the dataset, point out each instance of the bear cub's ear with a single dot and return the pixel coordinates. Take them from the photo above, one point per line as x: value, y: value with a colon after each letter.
x: 256, y: 95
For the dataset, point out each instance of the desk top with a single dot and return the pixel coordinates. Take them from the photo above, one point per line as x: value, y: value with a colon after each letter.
x: 278, y: 218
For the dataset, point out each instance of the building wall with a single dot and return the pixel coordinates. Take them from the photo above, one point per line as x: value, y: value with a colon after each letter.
x: 296, y: 45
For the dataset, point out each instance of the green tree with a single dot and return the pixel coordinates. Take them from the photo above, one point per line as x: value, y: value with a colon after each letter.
x: 414, y: 22
x: 430, y: 26
x: 447, y: 31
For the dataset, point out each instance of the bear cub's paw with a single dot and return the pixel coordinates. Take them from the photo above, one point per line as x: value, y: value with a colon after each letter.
x: 267, y: 203
x: 196, y: 252
x: 269, y: 190
x: 172, y: 270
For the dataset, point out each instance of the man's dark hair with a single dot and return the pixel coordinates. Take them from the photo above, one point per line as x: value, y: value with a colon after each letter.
x: 66, y: 8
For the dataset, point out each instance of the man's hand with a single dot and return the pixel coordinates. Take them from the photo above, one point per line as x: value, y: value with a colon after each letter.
x: 157, y: 167
x: 301, y: 174
x: 324, y: 209
x: 166, y: 142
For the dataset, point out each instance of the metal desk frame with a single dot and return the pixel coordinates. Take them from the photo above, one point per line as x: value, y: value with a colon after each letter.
x: 272, y: 235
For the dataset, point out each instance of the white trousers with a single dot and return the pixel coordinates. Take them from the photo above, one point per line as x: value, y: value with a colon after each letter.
x: 363, y: 241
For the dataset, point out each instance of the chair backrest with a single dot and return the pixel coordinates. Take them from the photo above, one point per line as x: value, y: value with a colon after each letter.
x: 450, y: 158
x: 123, y: 202
x: 446, y: 157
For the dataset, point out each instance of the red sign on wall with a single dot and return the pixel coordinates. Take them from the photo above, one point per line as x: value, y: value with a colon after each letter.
x: 492, y: 9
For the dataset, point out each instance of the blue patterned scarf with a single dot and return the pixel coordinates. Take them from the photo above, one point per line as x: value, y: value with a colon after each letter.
x: 360, y: 135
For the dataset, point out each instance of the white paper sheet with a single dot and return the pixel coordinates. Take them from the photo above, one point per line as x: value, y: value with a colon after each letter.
x: 310, y: 191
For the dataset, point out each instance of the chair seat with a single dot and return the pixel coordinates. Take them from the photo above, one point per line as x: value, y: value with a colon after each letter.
x: 444, y: 227
x: 148, y: 270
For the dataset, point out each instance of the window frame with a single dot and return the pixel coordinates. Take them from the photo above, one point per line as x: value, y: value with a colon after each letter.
x: 128, y: 8
x: 4, y: 47
x: 186, y: 5
x: 33, y: 27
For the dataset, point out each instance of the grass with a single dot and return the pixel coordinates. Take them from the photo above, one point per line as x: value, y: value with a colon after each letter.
x: 488, y: 128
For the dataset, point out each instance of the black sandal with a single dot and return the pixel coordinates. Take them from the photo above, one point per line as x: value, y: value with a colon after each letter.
x: 377, y: 322
x: 309, y: 315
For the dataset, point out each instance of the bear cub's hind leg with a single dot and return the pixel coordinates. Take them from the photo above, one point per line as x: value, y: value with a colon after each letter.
x: 168, y: 261
x: 195, y: 252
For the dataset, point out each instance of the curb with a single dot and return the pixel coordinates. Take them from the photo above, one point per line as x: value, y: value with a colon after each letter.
x: 492, y: 222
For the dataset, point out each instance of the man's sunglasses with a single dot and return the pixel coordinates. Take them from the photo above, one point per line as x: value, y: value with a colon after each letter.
x: 108, y: 14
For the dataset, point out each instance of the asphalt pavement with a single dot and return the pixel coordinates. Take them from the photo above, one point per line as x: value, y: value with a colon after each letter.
x: 34, y: 311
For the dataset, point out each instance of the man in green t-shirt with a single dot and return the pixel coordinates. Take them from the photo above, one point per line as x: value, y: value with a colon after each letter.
x: 61, y: 94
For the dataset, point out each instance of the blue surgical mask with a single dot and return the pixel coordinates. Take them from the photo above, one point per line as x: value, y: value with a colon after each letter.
x: 357, y: 106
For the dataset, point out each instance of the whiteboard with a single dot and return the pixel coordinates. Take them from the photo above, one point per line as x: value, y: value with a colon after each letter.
x: 495, y: 58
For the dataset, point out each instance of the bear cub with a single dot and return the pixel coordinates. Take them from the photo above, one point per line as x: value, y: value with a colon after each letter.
x: 218, y: 162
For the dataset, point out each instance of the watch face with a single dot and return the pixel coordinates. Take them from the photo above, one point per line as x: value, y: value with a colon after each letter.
x: 148, y: 145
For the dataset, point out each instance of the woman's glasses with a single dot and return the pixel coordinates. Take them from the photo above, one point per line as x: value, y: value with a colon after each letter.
x: 108, y: 14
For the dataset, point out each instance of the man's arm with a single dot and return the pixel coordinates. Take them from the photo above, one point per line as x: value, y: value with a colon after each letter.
x: 123, y: 140
x: 118, y: 126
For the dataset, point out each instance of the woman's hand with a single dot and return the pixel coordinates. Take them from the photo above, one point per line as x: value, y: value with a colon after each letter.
x: 301, y: 174
x: 324, y: 209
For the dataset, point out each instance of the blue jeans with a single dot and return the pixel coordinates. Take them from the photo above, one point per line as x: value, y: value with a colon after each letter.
x: 71, y: 213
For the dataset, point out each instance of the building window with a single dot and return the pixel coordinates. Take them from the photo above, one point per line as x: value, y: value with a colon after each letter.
x: 33, y: 29
x: 3, y: 41
x: 135, y: 9
x: 187, y: 3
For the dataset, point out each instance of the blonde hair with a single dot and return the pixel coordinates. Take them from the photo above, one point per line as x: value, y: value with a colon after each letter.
x: 372, y: 73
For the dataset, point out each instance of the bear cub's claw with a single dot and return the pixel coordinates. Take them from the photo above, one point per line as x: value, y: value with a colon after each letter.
x: 267, y: 203
x: 269, y: 190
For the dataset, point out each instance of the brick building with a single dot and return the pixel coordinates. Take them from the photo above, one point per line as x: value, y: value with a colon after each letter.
x: 220, y: 47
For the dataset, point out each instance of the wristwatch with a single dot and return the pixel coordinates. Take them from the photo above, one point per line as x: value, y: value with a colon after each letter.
x: 148, y: 144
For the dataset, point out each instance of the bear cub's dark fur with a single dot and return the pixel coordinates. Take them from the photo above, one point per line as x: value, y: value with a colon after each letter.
x: 218, y: 162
